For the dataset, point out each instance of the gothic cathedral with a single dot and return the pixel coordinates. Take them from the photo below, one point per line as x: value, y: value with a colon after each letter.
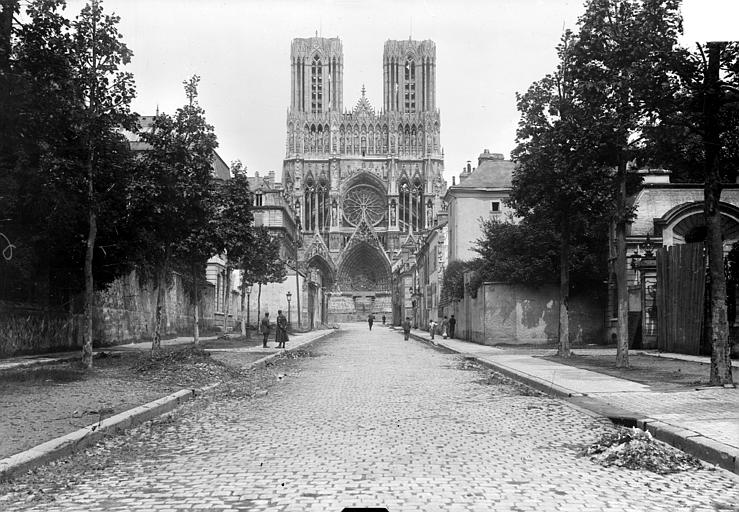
x: 365, y: 183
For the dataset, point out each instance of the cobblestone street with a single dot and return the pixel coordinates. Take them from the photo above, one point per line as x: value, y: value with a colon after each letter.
x: 373, y: 420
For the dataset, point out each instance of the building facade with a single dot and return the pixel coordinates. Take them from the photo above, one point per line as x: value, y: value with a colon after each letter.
x: 666, y: 264
x: 362, y: 181
x: 480, y: 194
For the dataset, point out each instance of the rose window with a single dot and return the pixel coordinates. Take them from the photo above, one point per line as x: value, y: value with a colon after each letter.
x: 364, y: 201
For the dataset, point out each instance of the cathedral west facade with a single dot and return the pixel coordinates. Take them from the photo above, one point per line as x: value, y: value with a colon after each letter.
x: 365, y: 182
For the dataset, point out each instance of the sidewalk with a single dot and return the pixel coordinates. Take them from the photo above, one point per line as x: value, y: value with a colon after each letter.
x: 702, y: 421
x: 11, y: 363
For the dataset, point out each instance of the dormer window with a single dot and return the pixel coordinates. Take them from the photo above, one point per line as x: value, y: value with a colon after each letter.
x: 258, y: 198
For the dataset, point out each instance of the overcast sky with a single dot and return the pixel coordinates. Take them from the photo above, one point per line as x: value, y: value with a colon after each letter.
x: 487, y: 50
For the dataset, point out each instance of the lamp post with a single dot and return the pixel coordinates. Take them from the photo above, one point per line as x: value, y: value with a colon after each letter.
x: 247, y: 289
x: 289, y: 297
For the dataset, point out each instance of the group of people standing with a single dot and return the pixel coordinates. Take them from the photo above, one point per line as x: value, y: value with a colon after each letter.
x: 448, y: 325
x: 446, y: 329
x: 280, y: 329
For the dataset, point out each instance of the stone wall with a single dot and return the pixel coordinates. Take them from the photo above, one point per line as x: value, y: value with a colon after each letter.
x: 124, y: 313
x: 517, y: 315
x: 25, y: 329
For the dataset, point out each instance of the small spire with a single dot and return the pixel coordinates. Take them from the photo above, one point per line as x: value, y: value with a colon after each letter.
x: 362, y: 90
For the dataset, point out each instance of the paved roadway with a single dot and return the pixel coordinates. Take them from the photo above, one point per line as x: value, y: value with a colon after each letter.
x: 378, y: 421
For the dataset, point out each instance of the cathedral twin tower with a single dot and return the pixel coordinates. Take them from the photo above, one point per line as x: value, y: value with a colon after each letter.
x: 363, y: 182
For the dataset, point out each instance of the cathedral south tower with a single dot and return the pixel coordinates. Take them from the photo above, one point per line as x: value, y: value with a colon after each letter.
x: 365, y: 182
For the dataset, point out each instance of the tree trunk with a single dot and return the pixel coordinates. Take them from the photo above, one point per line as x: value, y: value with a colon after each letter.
x: 563, y: 350
x: 243, y: 312
x: 297, y: 287
x: 259, y: 304
x: 227, y: 299
x: 89, y: 287
x: 622, y: 347
x: 196, y: 325
x: 156, y: 343
x: 6, y: 31
x: 195, y: 304
x: 719, y: 326
x: 92, y: 215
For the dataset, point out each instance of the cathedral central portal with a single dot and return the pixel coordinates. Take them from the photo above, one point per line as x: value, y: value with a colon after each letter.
x: 364, y: 182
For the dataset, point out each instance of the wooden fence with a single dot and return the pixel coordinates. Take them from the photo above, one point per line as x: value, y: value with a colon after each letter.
x: 681, y: 279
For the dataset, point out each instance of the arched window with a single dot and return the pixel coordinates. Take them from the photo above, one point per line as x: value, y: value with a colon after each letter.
x: 410, y: 85
x: 316, y: 86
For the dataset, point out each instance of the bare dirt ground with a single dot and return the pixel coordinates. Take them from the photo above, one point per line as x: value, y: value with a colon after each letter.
x: 659, y: 373
x: 41, y: 403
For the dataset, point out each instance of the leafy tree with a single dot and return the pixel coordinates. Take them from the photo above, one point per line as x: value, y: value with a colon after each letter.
x: 555, y: 181
x: 452, y: 285
x: 524, y: 253
x: 232, y: 224
x: 262, y: 264
x: 622, y: 71
x: 171, y: 189
x: 700, y: 140
x: 98, y: 54
x: 718, y: 94
x: 64, y: 98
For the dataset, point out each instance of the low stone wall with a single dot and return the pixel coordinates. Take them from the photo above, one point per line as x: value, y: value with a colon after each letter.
x: 27, y: 330
x: 124, y: 312
x: 515, y: 314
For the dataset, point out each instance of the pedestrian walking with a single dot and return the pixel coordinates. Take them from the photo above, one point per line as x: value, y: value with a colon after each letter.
x: 407, y: 327
x: 452, y: 325
x: 371, y: 320
x: 432, y: 328
x: 444, y: 327
x: 281, y: 331
x: 383, y: 319
x: 264, y: 329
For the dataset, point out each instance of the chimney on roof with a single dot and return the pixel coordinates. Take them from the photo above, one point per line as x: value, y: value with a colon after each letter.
x: 454, y: 180
x: 466, y: 171
x: 487, y: 155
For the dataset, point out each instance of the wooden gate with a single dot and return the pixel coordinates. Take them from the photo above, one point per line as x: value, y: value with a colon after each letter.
x: 681, y: 279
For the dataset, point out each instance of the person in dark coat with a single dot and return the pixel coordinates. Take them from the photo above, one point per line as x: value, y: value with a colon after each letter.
x: 281, y: 332
x: 407, y: 327
x: 452, y: 325
x: 371, y: 320
x: 383, y: 319
x: 264, y: 328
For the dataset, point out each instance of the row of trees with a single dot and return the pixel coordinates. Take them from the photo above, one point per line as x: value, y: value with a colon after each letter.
x: 624, y: 94
x: 80, y: 207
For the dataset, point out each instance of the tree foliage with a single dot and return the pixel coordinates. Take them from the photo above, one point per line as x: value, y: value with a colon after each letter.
x: 172, y: 189
x: 44, y: 119
x: 452, y: 286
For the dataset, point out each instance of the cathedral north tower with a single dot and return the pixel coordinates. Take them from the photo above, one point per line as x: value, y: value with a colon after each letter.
x: 317, y: 75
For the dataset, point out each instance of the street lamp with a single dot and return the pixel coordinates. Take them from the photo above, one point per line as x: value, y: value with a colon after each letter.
x: 247, y: 289
x: 289, y: 297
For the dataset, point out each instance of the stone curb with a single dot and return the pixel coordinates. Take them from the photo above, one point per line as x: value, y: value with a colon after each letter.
x: 84, y: 437
x: 704, y: 448
x: 87, y: 436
